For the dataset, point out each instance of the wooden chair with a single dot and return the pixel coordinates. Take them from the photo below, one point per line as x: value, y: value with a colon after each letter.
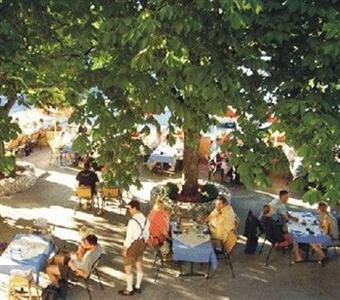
x: 284, y: 249
x: 83, y: 193
x: 220, y: 250
x: 55, y: 157
x: 35, y: 138
x: 16, y: 145
x: 110, y: 194
x: 22, y: 282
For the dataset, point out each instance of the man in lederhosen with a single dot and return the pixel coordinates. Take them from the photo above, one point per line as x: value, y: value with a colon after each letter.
x: 134, y: 245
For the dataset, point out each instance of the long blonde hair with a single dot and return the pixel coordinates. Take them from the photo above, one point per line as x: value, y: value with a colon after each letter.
x: 84, y: 232
x: 159, y: 204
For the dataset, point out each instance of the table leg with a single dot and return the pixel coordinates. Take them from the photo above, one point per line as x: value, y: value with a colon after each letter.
x: 192, y: 272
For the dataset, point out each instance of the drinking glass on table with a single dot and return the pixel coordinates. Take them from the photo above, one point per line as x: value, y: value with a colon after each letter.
x: 195, y: 226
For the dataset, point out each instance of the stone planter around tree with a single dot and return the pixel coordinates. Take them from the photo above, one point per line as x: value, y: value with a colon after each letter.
x: 190, y: 210
x: 21, y: 182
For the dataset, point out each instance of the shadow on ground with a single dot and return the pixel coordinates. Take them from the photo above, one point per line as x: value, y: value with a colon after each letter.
x: 51, y: 197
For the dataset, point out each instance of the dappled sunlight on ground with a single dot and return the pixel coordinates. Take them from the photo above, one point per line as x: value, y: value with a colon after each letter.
x: 61, y: 178
x: 52, y: 198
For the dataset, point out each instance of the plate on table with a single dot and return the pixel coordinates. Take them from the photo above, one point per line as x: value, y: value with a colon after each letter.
x: 308, y: 214
x: 297, y: 232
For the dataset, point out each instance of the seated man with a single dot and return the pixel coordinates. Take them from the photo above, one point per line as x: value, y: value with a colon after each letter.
x: 61, y: 265
x: 223, y: 222
x: 274, y: 233
x: 328, y: 226
x: 278, y: 209
x: 328, y: 222
x: 87, y: 177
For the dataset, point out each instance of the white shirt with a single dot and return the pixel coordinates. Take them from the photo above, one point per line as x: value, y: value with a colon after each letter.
x: 134, y: 231
x: 277, y: 207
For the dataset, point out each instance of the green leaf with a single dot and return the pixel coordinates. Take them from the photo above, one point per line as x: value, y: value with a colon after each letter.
x: 7, y: 165
x: 312, y: 196
x: 81, y: 144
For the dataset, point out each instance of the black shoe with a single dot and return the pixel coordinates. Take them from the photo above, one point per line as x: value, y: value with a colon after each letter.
x: 53, y: 287
x: 324, y: 261
x: 136, y: 290
x: 125, y: 293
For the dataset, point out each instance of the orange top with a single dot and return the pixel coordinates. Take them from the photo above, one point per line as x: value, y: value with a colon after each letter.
x: 159, y: 226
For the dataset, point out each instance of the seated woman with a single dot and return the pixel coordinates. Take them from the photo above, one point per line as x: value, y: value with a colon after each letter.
x: 275, y: 235
x: 83, y: 232
x: 273, y: 231
x: 159, y: 224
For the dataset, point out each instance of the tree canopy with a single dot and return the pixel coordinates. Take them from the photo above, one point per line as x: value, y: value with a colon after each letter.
x: 302, y: 41
x: 195, y: 58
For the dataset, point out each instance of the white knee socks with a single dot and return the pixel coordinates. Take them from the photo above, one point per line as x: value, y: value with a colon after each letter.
x: 139, y: 279
x: 129, y: 282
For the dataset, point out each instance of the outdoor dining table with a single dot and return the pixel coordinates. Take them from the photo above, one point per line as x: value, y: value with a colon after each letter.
x: 307, y: 231
x: 165, y: 154
x: 193, y: 246
x: 26, y: 252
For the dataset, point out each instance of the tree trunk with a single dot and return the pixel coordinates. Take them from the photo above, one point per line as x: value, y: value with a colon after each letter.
x: 11, y: 99
x: 2, y: 148
x: 190, y: 164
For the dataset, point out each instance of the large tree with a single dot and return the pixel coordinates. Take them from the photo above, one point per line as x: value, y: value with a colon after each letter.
x: 195, y: 58
x: 151, y: 55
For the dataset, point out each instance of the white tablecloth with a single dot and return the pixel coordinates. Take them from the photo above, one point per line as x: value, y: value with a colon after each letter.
x: 167, y: 154
x: 191, y: 238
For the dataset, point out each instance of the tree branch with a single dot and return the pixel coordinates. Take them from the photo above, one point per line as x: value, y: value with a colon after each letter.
x: 11, y: 99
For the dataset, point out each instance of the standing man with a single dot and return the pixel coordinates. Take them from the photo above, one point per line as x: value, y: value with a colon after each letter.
x: 134, y: 245
x: 278, y: 208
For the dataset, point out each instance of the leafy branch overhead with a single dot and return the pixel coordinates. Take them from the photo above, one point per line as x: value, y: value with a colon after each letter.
x: 195, y: 59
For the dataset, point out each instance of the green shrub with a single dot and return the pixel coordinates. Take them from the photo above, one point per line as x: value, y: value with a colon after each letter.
x: 209, y: 192
x: 170, y: 190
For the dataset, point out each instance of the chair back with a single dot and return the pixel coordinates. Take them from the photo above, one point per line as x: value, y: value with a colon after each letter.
x: 111, y: 192
x: 14, y: 144
x: 84, y: 192
x: 95, y: 264
x: 271, y: 230
x: 35, y: 135
x: 231, y: 242
x: 338, y: 223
